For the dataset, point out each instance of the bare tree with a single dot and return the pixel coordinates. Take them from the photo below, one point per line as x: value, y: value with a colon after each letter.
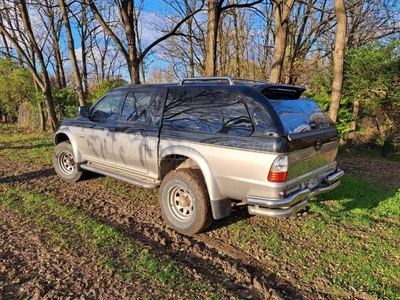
x: 214, y: 13
x: 131, y: 49
x: 52, y: 22
x: 72, y: 56
x: 282, y: 11
x: 370, y: 20
x: 338, y: 58
x: 215, y: 9
x: 41, y: 76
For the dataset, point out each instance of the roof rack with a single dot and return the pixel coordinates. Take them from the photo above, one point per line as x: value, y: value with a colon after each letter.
x: 219, y: 78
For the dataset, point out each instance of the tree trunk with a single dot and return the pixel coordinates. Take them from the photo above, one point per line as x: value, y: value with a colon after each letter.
x: 41, y: 117
x: 282, y: 10
x: 72, y: 56
x: 189, y: 10
x: 55, y: 28
x: 338, y: 59
x: 237, y: 42
x: 353, y: 124
x: 212, y: 34
x: 84, y: 35
x: 44, y: 79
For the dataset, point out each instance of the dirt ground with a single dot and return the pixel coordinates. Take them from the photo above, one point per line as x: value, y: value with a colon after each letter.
x: 31, y: 270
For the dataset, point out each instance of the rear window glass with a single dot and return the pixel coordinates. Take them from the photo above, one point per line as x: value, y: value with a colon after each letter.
x: 207, y: 111
x: 301, y: 115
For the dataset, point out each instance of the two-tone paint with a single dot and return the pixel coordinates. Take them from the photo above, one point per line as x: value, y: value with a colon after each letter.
x: 233, y: 167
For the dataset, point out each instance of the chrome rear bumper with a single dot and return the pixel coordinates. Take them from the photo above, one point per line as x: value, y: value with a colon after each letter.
x: 289, y: 206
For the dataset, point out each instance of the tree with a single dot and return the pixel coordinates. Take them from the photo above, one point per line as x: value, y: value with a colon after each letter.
x: 52, y: 21
x: 282, y: 10
x: 41, y: 76
x: 372, y: 81
x: 371, y: 20
x: 129, y: 15
x: 16, y: 87
x: 338, y: 58
x: 215, y: 9
x: 72, y: 56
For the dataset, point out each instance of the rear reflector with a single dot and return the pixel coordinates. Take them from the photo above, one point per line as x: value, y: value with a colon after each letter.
x: 277, y: 176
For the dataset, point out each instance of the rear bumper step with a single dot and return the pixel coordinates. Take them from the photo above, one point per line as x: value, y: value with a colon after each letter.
x: 289, y: 206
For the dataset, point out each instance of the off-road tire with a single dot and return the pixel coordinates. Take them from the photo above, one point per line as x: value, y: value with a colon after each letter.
x: 64, y: 162
x: 184, y: 201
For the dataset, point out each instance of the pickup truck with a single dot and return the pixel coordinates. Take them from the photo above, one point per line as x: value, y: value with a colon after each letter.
x: 206, y: 143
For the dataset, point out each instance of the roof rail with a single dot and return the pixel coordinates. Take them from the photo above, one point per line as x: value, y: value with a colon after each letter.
x: 231, y: 80
x: 248, y: 80
x: 213, y: 78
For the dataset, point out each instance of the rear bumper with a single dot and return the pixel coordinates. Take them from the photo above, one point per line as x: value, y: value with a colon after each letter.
x: 289, y: 206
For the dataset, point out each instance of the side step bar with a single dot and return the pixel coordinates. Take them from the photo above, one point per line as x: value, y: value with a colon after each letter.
x: 124, y: 176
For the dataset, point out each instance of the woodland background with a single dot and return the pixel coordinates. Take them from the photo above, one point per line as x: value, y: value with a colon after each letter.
x: 58, y: 54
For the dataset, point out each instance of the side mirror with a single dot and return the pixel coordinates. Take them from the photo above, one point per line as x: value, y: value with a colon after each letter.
x: 84, y: 111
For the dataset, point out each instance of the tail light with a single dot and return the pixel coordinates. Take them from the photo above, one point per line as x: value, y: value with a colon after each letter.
x: 279, y: 169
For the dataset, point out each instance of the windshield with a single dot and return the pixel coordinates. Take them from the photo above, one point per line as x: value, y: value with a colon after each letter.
x: 301, y: 115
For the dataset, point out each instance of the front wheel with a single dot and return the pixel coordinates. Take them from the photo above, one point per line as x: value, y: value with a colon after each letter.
x: 64, y: 162
x: 184, y: 201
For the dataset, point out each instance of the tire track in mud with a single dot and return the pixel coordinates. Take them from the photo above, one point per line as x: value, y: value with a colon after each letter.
x: 205, y: 257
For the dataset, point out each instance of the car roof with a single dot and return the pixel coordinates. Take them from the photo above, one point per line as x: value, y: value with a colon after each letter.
x: 226, y: 81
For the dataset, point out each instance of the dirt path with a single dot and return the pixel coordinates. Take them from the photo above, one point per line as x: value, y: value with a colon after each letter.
x: 42, y: 272
x: 204, y: 255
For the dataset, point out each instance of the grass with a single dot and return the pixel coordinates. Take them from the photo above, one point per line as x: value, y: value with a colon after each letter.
x: 350, y: 239
x: 70, y: 230
x: 346, y: 246
x: 73, y: 231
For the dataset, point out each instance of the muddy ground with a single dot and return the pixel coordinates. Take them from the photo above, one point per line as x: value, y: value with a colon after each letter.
x: 29, y: 269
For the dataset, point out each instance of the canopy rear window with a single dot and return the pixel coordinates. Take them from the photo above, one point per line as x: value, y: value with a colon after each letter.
x: 300, y: 115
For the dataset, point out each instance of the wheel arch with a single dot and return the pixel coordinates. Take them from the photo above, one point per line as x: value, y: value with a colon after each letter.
x: 66, y: 135
x: 176, y: 157
x: 179, y: 157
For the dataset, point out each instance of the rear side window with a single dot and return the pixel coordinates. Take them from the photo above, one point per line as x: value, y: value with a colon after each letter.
x: 212, y: 111
x: 135, y: 106
x: 300, y: 115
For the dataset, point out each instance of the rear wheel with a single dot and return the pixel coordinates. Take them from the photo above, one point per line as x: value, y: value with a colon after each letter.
x: 184, y: 201
x: 64, y: 162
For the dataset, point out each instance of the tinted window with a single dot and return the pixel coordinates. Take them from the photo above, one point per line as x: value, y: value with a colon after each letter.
x: 107, y: 107
x: 135, y: 106
x: 301, y: 114
x: 207, y: 111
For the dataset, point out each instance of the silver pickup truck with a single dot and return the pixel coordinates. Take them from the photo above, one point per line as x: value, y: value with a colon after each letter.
x: 206, y: 142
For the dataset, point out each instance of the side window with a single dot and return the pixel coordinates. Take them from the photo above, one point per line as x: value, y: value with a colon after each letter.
x: 136, y: 105
x: 107, y: 108
x: 207, y: 111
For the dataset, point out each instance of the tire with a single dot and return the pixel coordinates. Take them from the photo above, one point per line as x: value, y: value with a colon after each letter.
x: 64, y: 162
x: 184, y: 201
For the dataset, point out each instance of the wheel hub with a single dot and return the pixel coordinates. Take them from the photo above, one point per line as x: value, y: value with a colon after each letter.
x: 184, y: 200
x: 67, y: 163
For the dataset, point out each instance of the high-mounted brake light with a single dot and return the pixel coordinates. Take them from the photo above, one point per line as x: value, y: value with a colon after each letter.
x: 279, y: 169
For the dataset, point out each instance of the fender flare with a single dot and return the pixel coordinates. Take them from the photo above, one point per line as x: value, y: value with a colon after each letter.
x: 220, y: 205
x: 71, y: 138
x: 213, y: 189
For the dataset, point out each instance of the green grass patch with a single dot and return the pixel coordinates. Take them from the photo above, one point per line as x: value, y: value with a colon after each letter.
x: 73, y: 231
x: 349, y: 241
x: 27, y: 147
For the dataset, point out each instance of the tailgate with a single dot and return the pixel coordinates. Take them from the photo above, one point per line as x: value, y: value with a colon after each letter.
x: 311, y: 150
